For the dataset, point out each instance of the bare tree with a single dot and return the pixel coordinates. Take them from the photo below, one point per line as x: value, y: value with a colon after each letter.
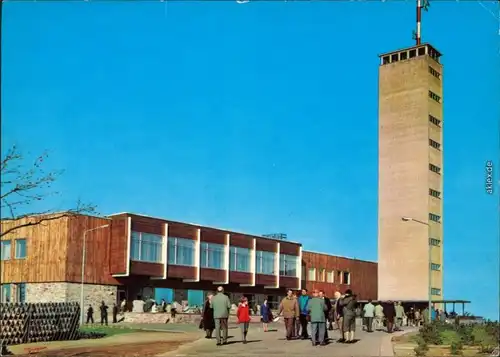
x: 22, y: 186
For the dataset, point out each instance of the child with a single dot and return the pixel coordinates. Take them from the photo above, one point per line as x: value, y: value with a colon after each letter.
x: 266, y: 315
x: 243, y: 315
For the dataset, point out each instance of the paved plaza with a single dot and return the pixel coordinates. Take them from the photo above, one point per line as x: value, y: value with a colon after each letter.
x: 273, y: 343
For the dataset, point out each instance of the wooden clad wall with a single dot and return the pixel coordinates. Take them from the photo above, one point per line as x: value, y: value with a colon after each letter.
x: 46, y: 246
x: 97, y: 260
x: 363, y: 274
x: 118, y: 245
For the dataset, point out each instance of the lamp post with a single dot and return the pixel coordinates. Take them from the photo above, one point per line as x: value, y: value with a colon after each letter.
x: 409, y: 219
x: 84, y: 252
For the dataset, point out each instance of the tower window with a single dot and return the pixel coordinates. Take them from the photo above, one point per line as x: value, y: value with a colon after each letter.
x: 434, y: 72
x: 434, y: 193
x: 436, y: 291
x: 435, y: 169
x: 394, y: 57
x: 386, y: 60
x: 435, y: 266
x: 413, y: 53
x: 403, y: 56
x: 421, y: 51
x: 435, y: 218
x: 435, y: 144
x: 434, y: 120
x: 435, y: 242
x: 434, y: 96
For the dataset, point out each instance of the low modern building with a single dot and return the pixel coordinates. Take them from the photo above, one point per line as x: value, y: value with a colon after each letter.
x: 129, y: 256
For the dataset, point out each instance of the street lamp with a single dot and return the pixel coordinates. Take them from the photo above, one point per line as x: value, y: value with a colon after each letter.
x: 84, y: 252
x: 410, y: 219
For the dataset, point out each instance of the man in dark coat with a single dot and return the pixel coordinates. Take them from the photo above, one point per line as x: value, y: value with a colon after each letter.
x: 208, y: 321
x: 328, y: 305
x: 389, y: 313
x: 104, y: 313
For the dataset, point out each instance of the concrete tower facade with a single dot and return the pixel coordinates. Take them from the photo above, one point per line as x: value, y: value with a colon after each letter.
x: 410, y: 222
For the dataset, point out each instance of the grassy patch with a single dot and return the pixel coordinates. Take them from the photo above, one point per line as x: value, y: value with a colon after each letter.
x: 107, y: 330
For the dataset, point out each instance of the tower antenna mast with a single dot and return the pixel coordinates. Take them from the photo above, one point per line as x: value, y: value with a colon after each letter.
x: 421, y: 5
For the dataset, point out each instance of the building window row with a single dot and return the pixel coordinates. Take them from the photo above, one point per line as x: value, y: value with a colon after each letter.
x: 20, y: 251
x: 435, y: 169
x: 434, y: 120
x: 147, y: 247
x: 435, y: 144
x: 434, y: 193
x: 13, y: 292
x: 434, y: 72
x: 434, y: 97
x: 435, y: 266
x: 435, y: 242
x: 436, y: 291
x: 343, y: 277
x: 434, y: 217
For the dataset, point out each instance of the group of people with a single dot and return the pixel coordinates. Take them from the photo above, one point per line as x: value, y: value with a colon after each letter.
x: 298, y: 312
x: 103, y: 309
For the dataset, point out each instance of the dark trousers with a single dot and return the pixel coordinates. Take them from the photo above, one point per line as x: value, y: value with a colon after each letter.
x: 390, y: 324
x: 369, y: 324
x: 290, y: 327
x: 303, y: 326
x: 115, y: 318
x: 90, y: 319
x: 209, y: 333
x: 297, y: 328
x: 104, y: 320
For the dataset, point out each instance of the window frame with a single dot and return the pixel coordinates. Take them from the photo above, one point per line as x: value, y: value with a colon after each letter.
x: 233, y: 252
x: 332, y: 280
x: 434, y: 168
x: 142, y: 241
x: 4, y: 243
x: 313, y: 271
x: 175, y: 243
x: 16, y: 241
x: 205, y: 250
x: 285, y: 265
x: 348, y: 277
x: 436, y: 291
x: 435, y: 242
x: 259, y: 262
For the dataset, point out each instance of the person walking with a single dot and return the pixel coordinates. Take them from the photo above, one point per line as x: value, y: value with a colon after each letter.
x: 265, y: 315
x: 104, y: 313
x: 303, y: 314
x: 115, y: 313
x: 369, y: 314
x: 243, y: 315
x: 90, y: 315
x: 328, y: 305
x: 400, y: 315
x: 339, y: 315
x: 290, y: 310
x: 348, y: 303
x: 221, y: 305
x: 317, y: 308
x: 389, y: 313
x: 208, y: 317
x: 379, y: 316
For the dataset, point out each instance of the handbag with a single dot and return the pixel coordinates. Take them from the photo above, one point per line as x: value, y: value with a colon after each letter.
x: 200, y: 326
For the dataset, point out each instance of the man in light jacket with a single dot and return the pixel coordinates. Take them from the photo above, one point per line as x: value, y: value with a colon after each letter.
x: 369, y: 314
x: 221, y: 305
x: 289, y: 307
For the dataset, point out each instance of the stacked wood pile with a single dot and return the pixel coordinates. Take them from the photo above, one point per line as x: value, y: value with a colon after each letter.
x: 27, y: 323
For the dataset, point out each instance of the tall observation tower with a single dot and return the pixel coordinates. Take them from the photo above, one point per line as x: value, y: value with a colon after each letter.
x: 410, y: 211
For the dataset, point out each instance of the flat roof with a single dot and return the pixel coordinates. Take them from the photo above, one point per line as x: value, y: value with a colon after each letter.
x: 204, y: 226
x: 339, y: 256
x: 411, y: 48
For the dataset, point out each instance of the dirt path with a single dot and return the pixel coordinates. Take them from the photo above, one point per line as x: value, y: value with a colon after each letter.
x: 126, y: 345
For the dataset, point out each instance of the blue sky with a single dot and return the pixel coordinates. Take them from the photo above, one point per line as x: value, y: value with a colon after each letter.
x: 258, y: 117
